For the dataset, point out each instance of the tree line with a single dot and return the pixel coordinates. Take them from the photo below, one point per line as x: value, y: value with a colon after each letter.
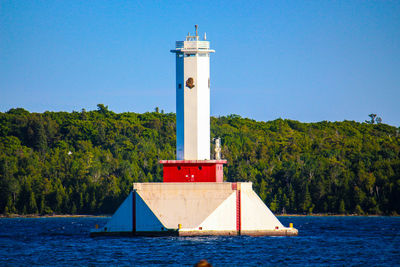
x: 85, y: 162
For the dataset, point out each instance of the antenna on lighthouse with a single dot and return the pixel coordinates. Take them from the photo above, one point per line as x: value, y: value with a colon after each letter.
x: 196, y: 27
x: 205, y: 36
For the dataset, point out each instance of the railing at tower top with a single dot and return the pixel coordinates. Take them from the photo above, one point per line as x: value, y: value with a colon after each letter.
x: 192, y: 45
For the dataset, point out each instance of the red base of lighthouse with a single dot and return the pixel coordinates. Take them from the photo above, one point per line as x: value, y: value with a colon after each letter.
x: 178, y: 171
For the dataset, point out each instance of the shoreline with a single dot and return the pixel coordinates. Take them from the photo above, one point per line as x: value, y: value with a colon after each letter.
x: 334, y: 215
x: 36, y: 216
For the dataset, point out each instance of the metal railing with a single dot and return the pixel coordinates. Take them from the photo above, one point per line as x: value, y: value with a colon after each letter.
x: 192, y: 44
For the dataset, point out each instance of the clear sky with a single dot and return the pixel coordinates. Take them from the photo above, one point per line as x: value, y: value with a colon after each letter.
x: 303, y: 60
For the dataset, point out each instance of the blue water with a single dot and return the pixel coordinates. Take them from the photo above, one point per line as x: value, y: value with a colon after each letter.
x: 322, y: 241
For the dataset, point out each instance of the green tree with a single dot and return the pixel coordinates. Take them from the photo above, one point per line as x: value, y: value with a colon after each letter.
x: 86, y: 162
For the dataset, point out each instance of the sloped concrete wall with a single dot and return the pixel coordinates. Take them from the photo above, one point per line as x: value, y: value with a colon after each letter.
x: 146, y: 220
x: 255, y: 214
x: 223, y: 218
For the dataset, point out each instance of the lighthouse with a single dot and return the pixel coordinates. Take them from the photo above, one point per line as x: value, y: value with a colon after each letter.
x: 193, y: 198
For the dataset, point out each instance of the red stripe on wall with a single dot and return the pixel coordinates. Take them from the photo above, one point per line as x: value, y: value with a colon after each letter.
x: 238, y: 211
x: 134, y: 211
x: 234, y: 186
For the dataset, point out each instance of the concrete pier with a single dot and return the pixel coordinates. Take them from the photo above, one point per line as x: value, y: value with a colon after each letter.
x: 193, y: 209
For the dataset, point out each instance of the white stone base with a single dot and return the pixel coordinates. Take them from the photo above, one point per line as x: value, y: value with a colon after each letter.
x: 189, y: 209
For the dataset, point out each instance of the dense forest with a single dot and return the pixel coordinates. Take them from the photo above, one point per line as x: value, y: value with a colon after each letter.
x: 85, y: 162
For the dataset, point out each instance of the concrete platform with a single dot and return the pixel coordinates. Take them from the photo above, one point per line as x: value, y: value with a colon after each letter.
x: 193, y: 209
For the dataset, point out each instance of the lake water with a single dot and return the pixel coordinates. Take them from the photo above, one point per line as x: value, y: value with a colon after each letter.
x: 321, y: 241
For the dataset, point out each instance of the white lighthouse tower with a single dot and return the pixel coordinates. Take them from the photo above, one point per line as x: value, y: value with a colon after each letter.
x: 193, y: 162
x: 193, y: 198
x: 193, y: 98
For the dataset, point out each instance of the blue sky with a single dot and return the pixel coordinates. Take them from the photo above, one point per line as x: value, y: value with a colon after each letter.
x: 303, y: 60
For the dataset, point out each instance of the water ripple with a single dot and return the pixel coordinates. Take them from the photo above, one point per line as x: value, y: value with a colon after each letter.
x: 322, y: 241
